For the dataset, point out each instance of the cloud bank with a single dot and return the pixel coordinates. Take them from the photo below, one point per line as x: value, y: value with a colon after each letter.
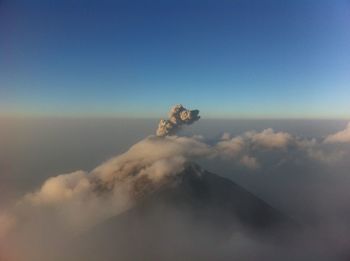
x: 80, y: 200
x: 83, y: 199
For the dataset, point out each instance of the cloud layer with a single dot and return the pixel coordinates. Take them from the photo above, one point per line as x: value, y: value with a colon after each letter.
x: 79, y: 200
x: 86, y: 198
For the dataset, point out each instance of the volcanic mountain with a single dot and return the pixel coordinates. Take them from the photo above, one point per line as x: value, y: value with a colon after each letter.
x: 197, y: 216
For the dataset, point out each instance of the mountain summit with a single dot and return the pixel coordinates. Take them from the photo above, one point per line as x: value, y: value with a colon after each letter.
x: 197, y: 216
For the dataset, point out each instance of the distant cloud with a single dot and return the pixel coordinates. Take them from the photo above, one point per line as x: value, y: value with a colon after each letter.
x: 230, y: 148
x: 74, y: 202
x: 268, y: 138
x: 320, y: 151
x: 83, y: 199
x: 249, y: 162
x: 339, y: 137
x: 242, y: 148
x: 235, y: 149
x: 79, y: 200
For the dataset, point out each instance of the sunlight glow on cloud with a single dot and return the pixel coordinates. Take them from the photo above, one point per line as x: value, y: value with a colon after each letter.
x: 340, y: 137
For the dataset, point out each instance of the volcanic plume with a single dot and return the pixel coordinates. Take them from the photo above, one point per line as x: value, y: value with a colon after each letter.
x: 178, y: 116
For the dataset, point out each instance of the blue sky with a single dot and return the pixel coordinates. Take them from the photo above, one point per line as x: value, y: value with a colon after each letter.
x: 234, y: 58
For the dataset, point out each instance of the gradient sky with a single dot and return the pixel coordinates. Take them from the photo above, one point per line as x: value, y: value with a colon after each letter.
x: 234, y: 58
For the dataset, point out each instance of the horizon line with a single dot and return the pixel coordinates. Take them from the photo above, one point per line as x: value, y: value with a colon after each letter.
x: 116, y: 117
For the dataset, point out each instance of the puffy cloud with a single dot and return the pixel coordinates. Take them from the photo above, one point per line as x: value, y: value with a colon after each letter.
x: 178, y: 116
x: 326, y: 157
x: 339, y: 137
x: 143, y: 155
x: 236, y: 150
x: 230, y: 148
x: 249, y: 162
x: 81, y: 199
x: 240, y: 148
x: 61, y: 188
x: 246, y: 149
x: 268, y: 138
x: 320, y: 152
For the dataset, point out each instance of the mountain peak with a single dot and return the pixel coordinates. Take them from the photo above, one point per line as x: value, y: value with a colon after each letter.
x: 191, y: 216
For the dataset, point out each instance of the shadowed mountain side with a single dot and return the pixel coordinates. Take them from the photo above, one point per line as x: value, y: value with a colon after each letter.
x: 197, y: 217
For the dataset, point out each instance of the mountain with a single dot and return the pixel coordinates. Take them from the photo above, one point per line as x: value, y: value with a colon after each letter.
x: 198, y: 216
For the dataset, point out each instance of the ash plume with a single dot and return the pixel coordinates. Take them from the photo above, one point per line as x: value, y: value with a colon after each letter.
x: 178, y: 116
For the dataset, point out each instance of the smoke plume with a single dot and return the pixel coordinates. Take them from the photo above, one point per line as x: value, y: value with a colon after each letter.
x: 178, y: 116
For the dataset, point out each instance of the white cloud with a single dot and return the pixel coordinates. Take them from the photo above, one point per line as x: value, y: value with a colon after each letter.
x: 268, y: 138
x: 230, y: 148
x: 339, y: 137
x: 320, y: 152
x: 81, y: 199
x: 62, y: 188
x: 239, y: 149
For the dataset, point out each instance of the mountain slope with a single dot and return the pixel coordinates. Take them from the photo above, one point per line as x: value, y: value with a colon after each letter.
x: 198, y: 216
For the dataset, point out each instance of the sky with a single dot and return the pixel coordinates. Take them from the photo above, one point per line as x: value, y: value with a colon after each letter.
x: 230, y: 59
